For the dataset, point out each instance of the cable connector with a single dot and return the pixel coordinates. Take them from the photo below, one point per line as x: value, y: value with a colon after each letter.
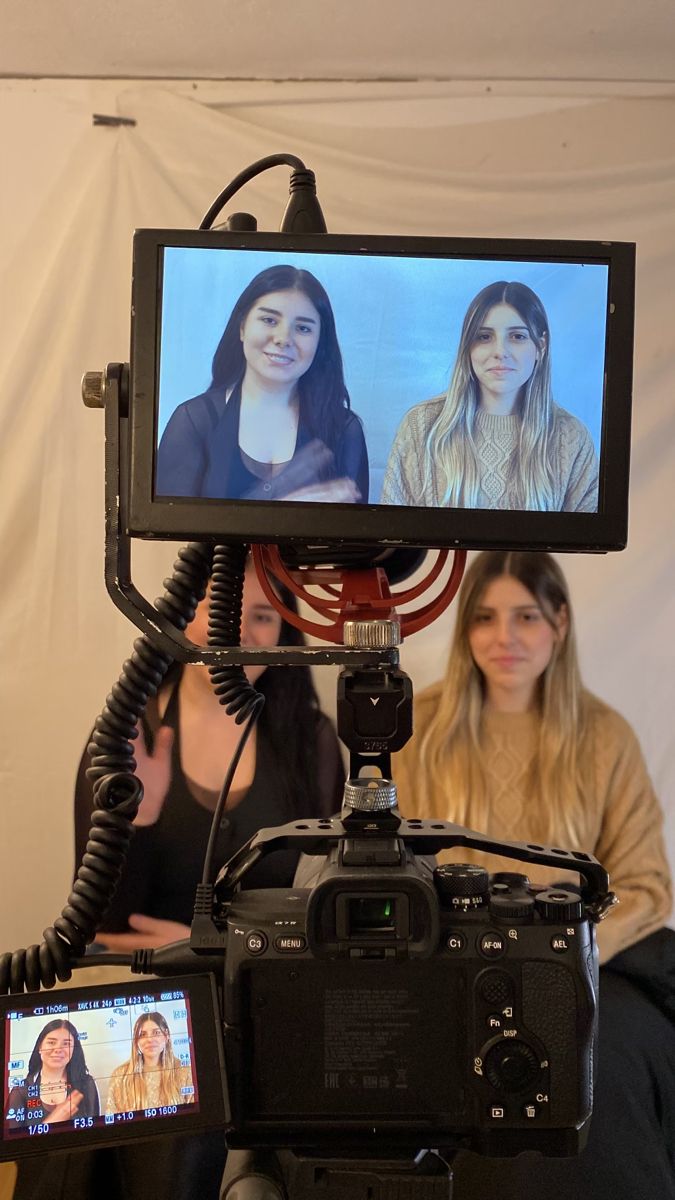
x: 303, y: 212
x: 205, y: 936
x: 178, y: 958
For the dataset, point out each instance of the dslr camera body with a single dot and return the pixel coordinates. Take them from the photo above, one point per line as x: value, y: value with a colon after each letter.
x: 397, y: 1004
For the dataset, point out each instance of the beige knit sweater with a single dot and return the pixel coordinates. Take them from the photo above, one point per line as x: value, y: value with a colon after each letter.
x: 621, y: 823
x: 573, y: 461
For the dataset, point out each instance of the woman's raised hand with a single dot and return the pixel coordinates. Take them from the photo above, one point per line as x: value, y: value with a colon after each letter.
x: 154, y: 772
x: 67, y: 1108
x: 145, y: 933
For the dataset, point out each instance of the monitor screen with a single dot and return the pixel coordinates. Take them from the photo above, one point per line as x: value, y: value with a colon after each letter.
x: 417, y: 390
x: 88, y: 1066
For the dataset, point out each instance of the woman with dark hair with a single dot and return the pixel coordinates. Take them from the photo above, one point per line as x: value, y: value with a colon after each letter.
x: 57, y: 1086
x: 275, y: 422
x: 496, y: 439
x: 291, y: 767
x: 510, y: 743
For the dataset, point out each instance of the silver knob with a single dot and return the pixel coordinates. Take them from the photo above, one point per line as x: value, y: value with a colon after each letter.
x: 372, y: 635
x: 370, y: 795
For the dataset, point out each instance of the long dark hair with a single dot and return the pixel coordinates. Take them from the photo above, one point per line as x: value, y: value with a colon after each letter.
x: 291, y: 704
x: 323, y: 395
x: 76, y: 1068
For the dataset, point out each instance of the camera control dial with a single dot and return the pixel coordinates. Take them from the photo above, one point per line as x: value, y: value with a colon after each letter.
x: 510, y: 907
x: 462, y: 885
x: 554, y: 904
x: 511, y: 1066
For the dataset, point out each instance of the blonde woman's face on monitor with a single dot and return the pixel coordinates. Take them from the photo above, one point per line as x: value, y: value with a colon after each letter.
x: 503, y: 354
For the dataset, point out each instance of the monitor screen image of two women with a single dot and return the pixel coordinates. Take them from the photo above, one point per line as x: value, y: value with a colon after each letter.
x: 378, y: 379
x: 113, y: 1062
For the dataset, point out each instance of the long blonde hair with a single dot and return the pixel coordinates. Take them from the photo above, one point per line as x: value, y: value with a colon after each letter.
x: 133, y: 1088
x: 450, y: 748
x: 451, y: 454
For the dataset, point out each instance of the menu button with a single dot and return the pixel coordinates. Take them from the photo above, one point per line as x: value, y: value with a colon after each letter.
x: 290, y: 943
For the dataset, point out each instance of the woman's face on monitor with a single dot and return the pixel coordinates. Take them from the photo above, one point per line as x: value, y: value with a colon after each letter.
x: 56, y: 1049
x: 503, y: 354
x: 280, y: 335
x: 150, y: 1040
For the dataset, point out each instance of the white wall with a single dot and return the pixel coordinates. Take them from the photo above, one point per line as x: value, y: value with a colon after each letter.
x: 388, y: 158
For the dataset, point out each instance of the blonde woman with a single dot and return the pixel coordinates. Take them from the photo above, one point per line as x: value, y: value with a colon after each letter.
x: 152, y: 1076
x: 511, y: 744
x: 496, y: 439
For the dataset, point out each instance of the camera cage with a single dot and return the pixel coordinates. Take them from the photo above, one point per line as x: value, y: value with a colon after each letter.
x: 423, y: 837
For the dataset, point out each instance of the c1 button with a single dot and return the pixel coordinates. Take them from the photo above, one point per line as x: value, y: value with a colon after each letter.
x: 256, y: 942
x: 492, y: 945
x: 455, y: 943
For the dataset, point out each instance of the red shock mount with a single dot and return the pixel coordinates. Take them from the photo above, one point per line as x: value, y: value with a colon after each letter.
x: 359, y: 594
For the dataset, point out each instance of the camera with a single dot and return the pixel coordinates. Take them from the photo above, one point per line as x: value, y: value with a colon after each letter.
x: 394, y: 1004
x: 398, y: 1003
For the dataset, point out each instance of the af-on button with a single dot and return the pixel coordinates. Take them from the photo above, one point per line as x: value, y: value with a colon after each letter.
x: 492, y: 945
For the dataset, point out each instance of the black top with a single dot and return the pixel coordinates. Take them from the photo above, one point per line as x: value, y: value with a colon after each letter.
x: 17, y: 1102
x: 164, y: 862
x: 199, y: 454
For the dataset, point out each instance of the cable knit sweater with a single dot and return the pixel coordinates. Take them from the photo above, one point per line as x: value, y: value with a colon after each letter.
x: 573, y: 459
x: 621, y: 823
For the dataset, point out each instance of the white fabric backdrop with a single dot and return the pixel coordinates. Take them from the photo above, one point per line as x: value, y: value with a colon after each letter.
x: 398, y: 158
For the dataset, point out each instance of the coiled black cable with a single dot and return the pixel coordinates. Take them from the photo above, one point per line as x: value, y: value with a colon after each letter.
x: 117, y: 790
x: 230, y: 684
x: 241, y: 699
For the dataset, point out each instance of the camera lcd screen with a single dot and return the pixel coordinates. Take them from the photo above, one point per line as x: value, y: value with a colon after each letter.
x: 417, y: 390
x: 389, y: 1043
x: 88, y: 1066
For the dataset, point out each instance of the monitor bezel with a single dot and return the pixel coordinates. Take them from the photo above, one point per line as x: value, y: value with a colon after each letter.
x: 150, y: 516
